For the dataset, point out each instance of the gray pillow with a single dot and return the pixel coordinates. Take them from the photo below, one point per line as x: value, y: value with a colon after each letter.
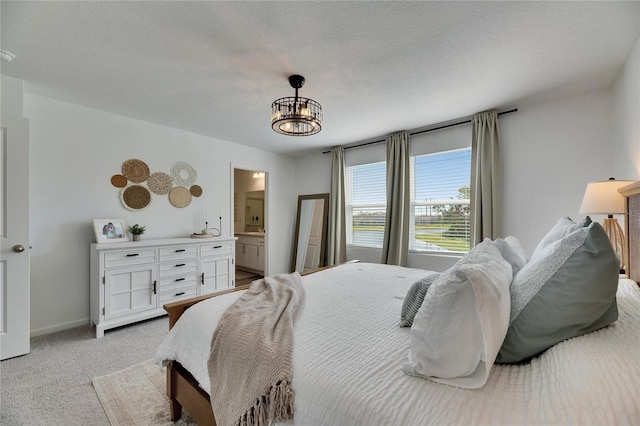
x: 414, y: 298
x: 561, y: 229
x: 567, y: 289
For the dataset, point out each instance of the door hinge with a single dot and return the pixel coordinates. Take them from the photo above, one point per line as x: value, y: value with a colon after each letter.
x: 103, y: 279
x: 102, y: 311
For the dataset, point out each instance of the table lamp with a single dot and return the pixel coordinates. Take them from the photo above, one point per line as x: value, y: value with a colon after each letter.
x: 603, y: 198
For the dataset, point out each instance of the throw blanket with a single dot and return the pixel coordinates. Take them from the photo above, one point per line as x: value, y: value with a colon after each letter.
x: 251, y: 360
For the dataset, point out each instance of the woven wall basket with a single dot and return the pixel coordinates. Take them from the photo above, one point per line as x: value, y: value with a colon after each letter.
x: 135, y: 170
x: 118, y: 181
x: 160, y: 183
x: 196, y: 190
x: 135, y: 197
x: 180, y: 197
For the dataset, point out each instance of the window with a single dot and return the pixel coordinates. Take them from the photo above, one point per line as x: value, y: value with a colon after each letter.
x: 366, y: 204
x: 440, y: 197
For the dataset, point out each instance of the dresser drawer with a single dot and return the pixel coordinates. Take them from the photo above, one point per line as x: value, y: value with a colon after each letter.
x: 117, y: 259
x: 178, y: 252
x: 214, y: 249
x: 177, y: 294
x: 178, y: 281
x: 178, y: 267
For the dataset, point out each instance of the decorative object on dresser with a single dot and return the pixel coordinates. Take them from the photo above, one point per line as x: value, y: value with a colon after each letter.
x: 110, y: 230
x: 136, y: 230
x: 131, y: 282
x: 603, y: 198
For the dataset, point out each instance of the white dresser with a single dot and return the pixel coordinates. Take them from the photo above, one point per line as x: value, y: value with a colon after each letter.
x: 131, y: 281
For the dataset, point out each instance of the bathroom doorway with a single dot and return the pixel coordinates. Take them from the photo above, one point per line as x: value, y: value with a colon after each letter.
x: 250, y: 223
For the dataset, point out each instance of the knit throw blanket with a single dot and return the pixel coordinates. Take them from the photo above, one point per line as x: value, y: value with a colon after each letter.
x: 251, y: 360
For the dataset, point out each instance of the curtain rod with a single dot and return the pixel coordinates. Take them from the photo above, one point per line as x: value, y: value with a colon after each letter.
x: 431, y: 129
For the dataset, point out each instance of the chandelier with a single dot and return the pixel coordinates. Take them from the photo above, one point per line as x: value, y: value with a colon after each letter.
x: 296, y: 116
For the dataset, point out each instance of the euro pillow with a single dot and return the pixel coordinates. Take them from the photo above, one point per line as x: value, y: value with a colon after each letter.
x: 462, y: 322
x: 561, y: 229
x: 566, y: 290
x: 414, y: 298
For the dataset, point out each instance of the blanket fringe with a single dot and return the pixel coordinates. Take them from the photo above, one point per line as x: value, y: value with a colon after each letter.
x: 281, y: 396
x: 275, y: 406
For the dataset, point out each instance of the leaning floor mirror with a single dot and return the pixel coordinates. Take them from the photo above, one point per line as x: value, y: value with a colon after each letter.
x: 311, y: 232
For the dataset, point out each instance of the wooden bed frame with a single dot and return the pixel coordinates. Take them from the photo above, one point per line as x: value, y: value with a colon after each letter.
x: 183, y: 390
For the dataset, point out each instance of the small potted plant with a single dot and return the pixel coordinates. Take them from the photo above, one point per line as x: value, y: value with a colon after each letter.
x: 136, y: 230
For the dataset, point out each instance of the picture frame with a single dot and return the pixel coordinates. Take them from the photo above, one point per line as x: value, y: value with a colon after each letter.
x: 110, y: 230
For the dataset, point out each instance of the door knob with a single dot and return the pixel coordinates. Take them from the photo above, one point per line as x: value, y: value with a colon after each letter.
x: 18, y: 248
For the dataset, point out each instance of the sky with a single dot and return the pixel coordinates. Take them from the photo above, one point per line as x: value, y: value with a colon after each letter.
x: 439, y: 176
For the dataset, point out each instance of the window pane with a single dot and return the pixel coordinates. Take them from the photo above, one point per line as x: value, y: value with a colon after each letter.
x: 366, y: 204
x: 441, y: 196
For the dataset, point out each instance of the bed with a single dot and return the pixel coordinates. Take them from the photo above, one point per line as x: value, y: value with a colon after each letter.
x: 350, y: 354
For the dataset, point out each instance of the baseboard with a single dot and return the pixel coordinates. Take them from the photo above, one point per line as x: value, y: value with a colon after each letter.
x: 59, y: 327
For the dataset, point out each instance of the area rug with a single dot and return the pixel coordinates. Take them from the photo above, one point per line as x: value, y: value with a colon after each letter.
x: 137, y: 396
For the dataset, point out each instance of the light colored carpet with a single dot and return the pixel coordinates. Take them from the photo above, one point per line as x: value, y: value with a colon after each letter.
x: 137, y: 396
x: 51, y: 386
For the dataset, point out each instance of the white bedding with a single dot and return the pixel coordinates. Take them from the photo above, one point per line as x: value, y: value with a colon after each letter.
x: 350, y: 351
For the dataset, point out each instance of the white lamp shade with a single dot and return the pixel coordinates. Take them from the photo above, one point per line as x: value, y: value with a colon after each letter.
x: 603, y: 197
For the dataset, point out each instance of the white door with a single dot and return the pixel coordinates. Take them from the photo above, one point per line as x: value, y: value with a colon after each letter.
x: 14, y: 223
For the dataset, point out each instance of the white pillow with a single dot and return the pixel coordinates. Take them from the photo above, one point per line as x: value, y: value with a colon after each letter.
x: 463, y: 320
x: 512, y: 252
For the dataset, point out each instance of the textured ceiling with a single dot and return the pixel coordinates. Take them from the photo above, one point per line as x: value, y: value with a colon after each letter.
x: 214, y: 68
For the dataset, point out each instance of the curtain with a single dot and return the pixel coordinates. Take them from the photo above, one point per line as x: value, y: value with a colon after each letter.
x: 337, y: 238
x: 486, y: 178
x: 395, y: 248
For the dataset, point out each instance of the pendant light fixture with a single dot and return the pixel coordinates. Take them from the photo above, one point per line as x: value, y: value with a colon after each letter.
x: 296, y: 116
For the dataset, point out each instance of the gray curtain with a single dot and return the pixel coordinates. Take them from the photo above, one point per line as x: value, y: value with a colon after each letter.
x: 336, y: 237
x: 486, y: 178
x: 395, y: 249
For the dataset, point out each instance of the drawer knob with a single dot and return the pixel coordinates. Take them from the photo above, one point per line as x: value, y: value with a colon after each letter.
x: 179, y: 265
x: 133, y: 254
x: 179, y: 294
x: 217, y: 247
x: 180, y: 250
x: 180, y: 279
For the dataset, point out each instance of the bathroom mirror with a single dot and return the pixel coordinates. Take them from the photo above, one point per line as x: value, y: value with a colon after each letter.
x: 311, y: 232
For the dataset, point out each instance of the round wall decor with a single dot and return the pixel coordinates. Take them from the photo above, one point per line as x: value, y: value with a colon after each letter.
x: 160, y: 183
x: 118, y: 181
x: 196, y: 190
x: 183, y: 174
x: 180, y: 197
x: 135, y: 170
x: 135, y: 197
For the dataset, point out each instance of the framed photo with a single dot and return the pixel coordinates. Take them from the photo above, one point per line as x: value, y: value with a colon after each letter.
x: 110, y: 230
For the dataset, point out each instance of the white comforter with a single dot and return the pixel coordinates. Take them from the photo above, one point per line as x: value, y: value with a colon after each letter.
x: 350, y: 351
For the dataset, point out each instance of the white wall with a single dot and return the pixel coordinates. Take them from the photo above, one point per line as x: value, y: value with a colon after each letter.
x: 625, y: 141
x: 75, y: 151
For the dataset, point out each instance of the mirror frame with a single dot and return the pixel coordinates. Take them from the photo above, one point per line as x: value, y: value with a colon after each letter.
x: 325, y: 224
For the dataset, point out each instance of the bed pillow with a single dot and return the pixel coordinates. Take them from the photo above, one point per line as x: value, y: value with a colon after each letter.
x: 462, y: 322
x: 512, y: 252
x: 414, y: 298
x: 561, y: 229
x: 567, y: 290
